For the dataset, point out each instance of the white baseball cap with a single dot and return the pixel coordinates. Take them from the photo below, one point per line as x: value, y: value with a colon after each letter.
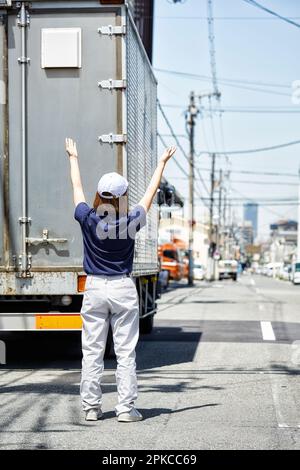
x: 112, y: 183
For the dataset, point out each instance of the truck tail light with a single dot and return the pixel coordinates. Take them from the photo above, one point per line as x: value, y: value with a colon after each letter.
x: 81, y: 283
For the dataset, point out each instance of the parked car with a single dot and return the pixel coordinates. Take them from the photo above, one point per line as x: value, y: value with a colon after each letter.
x: 284, y: 273
x: 258, y: 270
x: 171, y: 261
x: 199, y: 271
x: 163, y: 279
x: 295, y: 273
x: 228, y: 269
x: 264, y: 270
x: 273, y: 269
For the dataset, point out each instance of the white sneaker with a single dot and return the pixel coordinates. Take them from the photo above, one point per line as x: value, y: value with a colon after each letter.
x: 130, y: 416
x: 93, y: 414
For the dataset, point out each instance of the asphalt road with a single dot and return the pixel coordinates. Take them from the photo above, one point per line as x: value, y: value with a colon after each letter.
x: 220, y: 371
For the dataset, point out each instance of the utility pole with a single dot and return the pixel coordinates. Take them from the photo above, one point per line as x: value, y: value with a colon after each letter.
x: 191, y: 116
x: 219, y: 235
x: 224, y: 220
x: 298, y: 229
x: 191, y: 122
x: 211, y: 215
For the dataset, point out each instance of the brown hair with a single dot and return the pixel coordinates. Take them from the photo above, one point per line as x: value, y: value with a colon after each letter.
x: 115, y: 202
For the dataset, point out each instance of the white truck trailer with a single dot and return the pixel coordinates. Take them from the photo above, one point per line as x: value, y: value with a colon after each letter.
x: 79, y: 69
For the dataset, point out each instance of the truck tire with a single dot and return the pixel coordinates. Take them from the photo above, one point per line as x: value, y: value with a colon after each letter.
x: 168, y: 281
x: 146, y: 325
x: 159, y: 289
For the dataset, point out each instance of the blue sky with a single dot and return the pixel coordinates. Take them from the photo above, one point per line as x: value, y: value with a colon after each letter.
x: 260, y: 50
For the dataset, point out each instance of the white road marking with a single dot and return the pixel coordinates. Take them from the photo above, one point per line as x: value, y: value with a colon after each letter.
x: 286, y: 408
x: 267, y: 331
x: 277, y: 402
x: 261, y: 307
x: 252, y: 282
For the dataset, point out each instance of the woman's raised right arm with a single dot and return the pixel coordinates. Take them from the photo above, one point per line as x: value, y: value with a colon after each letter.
x: 151, y: 191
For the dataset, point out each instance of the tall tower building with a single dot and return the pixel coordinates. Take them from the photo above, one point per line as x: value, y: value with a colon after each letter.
x: 251, y: 215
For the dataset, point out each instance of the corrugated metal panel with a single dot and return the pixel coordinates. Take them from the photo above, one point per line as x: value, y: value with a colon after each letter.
x: 142, y: 144
x: 2, y: 156
x: 67, y: 96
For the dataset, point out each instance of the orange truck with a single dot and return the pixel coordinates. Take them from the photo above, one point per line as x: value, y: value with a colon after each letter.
x: 171, y: 260
x: 183, y: 248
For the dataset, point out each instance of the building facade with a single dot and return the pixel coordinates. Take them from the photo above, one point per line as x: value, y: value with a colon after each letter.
x: 177, y: 227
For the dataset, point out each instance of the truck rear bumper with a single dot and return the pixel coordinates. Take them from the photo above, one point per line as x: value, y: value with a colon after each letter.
x: 41, y: 283
x: 33, y: 321
x: 51, y: 301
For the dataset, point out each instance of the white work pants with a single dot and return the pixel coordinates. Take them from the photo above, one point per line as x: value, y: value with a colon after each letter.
x: 109, y: 300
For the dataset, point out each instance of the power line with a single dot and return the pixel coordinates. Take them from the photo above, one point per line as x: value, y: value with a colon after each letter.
x: 218, y: 18
x: 180, y: 166
x: 269, y: 173
x: 178, y: 143
x: 271, y: 204
x: 271, y: 183
x: 202, y: 180
x: 204, y: 134
x: 250, y: 172
x: 264, y: 183
x: 173, y: 158
x: 226, y: 81
x: 257, y: 111
x: 219, y: 153
x: 257, y: 150
x: 181, y: 136
x: 241, y: 107
x: 262, y: 200
x: 241, y: 110
x: 266, y: 206
x: 172, y: 131
x: 271, y: 12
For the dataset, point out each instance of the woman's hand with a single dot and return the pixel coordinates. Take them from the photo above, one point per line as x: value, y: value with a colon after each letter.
x: 71, y: 148
x: 168, y: 153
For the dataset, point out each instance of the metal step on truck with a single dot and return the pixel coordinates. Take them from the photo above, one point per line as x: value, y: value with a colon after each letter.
x: 68, y: 68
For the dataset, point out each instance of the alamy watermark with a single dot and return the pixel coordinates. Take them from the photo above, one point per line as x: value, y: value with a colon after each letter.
x: 122, y: 224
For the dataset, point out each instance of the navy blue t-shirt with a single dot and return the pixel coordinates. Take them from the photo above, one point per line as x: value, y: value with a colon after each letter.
x: 108, y: 242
